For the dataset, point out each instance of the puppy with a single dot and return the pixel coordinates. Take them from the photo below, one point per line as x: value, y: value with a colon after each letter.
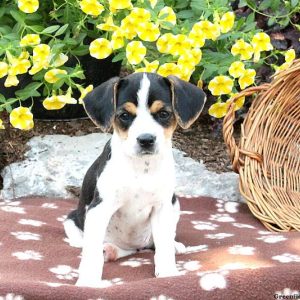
x: 127, y: 200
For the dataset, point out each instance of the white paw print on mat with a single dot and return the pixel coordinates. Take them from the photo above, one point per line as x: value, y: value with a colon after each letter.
x: 107, y: 283
x: 224, y: 218
x: 161, y: 297
x: 200, y: 225
x: 27, y: 255
x: 12, y: 206
x: 31, y: 222
x: 64, y: 272
x: 227, y: 206
x: 241, y: 250
x: 272, y: 239
x: 62, y: 218
x: 213, y: 280
x: 188, y: 266
x: 193, y: 249
x: 286, y: 258
x: 286, y: 292
x: 11, y: 296
x: 49, y: 205
x: 186, y: 212
x: 218, y: 236
x: 26, y: 236
x: 241, y: 225
x: 135, y: 262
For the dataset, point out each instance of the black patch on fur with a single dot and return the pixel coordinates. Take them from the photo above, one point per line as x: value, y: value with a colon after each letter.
x: 96, y: 200
x: 174, y: 199
x: 89, y: 195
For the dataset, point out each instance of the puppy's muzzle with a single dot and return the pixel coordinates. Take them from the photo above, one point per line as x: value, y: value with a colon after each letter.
x: 146, y: 142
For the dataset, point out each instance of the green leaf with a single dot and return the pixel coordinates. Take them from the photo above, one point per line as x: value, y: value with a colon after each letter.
x: 265, y: 4
x: 50, y: 29
x: 29, y: 91
x: 18, y: 16
x: 119, y: 56
x: 251, y: 3
x: 80, y: 50
x: 294, y: 3
x: 61, y: 30
x: 71, y: 42
x: 37, y: 28
x: 2, y: 98
x: 185, y: 14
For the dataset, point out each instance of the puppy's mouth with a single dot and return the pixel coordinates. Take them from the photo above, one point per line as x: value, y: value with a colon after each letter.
x: 148, y: 151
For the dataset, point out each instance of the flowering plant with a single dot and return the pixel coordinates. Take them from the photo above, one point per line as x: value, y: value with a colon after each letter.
x: 198, y: 40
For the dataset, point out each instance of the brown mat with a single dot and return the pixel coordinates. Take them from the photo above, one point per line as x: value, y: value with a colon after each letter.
x: 230, y: 256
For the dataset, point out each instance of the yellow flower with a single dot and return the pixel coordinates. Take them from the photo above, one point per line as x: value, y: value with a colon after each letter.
x: 108, y: 25
x: 30, y: 40
x: 51, y: 76
x: 1, y: 124
x: 38, y: 67
x: 237, y: 69
x: 11, y: 80
x: 120, y: 4
x: 197, y: 54
x: 283, y: 67
x: 21, y: 118
x: 140, y: 15
x: 290, y: 55
x: 153, y: 3
x: 179, y: 44
x: 41, y: 53
x: 117, y: 40
x: 168, y: 69
x: 91, y: 7
x: 227, y: 21
x: 238, y: 104
x: 218, y: 110
x: 148, y: 32
x: 54, y: 102
x: 3, y: 69
x: 197, y: 38
x: 100, y: 48
x: 169, y: 17
x: 135, y: 52
x: 150, y: 67
x: 128, y: 26
x: 261, y: 42
x: 220, y: 85
x: 84, y: 92
x: 185, y: 72
x: 186, y: 61
x: 19, y: 66
x: 243, y: 49
x: 247, y: 78
x: 67, y: 98
x: 60, y: 60
x: 200, y: 84
x: 28, y: 6
x: 208, y: 29
x: 163, y: 43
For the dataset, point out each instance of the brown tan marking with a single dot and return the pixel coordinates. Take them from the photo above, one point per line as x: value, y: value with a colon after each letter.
x: 156, y: 106
x: 123, y: 134
x: 130, y: 107
x: 168, y: 132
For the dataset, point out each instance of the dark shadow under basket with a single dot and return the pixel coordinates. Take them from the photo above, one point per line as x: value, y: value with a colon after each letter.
x: 268, y: 155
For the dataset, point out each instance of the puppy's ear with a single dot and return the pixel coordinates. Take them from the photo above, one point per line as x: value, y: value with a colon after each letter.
x: 187, y: 100
x: 100, y: 103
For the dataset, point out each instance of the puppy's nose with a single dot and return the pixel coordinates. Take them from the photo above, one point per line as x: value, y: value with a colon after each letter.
x: 146, y: 140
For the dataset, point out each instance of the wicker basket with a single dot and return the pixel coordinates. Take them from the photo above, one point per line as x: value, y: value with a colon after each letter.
x: 268, y: 155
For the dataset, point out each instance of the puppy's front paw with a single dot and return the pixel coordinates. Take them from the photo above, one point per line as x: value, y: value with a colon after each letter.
x: 179, y: 248
x: 89, y: 282
x: 169, y: 272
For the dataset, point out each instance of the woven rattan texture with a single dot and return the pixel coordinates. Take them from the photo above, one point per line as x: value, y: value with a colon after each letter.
x: 267, y: 157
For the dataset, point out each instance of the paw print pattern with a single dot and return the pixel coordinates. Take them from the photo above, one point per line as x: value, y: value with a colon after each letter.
x: 25, y: 236
x: 114, y: 281
x: 200, y: 225
x: 28, y: 255
x: 227, y: 206
x: 135, y: 262
x: 64, y: 272
x: 62, y: 218
x: 241, y: 250
x: 287, y: 292
x: 213, y: 280
x: 188, y: 266
x: 272, y: 239
x: 240, y: 225
x: 11, y: 296
x: 31, y: 222
x: 12, y: 206
x: 50, y: 205
x: 198, y: 248
x: 219, y: 236
x: 287, y: 258
x: 224, y: 218
x: 161, y: 297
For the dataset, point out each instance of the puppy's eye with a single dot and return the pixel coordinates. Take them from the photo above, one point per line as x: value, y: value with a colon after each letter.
x: 124, y: 116
x: 163, y: 114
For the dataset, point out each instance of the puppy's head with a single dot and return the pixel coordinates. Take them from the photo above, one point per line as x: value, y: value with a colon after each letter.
x: 144, y: 110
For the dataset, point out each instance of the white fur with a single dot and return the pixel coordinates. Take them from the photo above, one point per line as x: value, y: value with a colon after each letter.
x: 136, y: 208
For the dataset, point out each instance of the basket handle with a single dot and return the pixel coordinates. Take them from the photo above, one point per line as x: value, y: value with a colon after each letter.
x: 234, y: 150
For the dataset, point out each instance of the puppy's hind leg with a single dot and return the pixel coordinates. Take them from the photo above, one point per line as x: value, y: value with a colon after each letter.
x: 112, y: 252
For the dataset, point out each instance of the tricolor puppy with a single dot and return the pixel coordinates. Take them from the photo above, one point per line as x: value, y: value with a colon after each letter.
x: 127, y: 199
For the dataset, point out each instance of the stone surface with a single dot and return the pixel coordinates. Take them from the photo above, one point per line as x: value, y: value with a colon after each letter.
x: 57, y: 161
